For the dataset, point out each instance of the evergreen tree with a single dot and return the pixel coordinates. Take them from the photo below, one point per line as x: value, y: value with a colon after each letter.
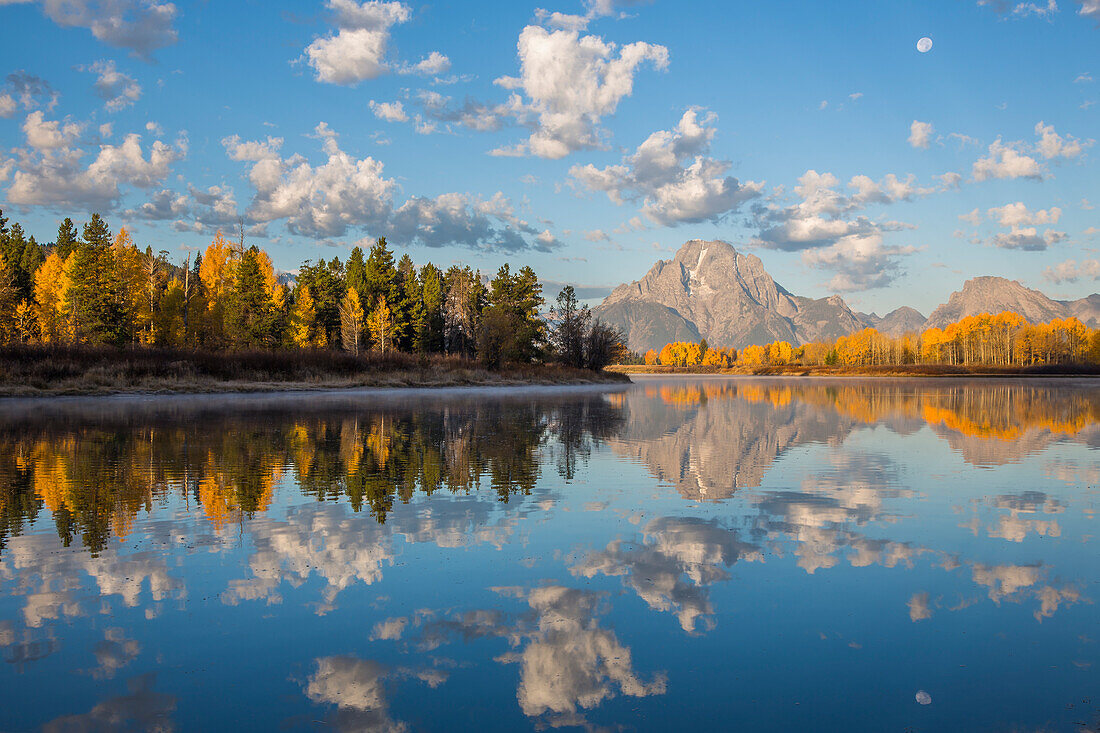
x: 327, y: 286
x: 430, y: 335
x: 250, y: 316
x: 570, y: 327
x: 356, y: 273
x: 91, y: 292
x: 409, y: 313
x: 518, y: 300
x: 380, y: 275
x: 464, y: 301
x: 66, y: 239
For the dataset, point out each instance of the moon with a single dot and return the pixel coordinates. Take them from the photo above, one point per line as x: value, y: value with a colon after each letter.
x: 924, y: 45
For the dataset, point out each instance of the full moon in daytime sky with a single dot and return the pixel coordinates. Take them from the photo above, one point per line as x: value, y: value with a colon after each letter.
x: 924, y: 45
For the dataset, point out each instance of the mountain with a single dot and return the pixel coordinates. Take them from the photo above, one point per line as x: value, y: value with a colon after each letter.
x: 710, y: 290
x: 996, y: 294
x: 1087, y: 309
x: 901, y: 321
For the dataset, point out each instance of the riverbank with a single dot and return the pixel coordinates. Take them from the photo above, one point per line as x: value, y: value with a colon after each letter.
x: 30, y: 371
x: 897, y: 370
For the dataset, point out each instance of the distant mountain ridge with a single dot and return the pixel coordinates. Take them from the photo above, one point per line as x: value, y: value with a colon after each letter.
x: 710, y: 290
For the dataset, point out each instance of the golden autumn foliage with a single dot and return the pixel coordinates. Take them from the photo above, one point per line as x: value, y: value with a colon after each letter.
x: 1000, y: 340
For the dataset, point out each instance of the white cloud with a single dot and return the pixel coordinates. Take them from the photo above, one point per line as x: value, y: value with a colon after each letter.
x: 433, y: 65
x: 861, y: 262
x: 974, y: 217
x: 1022, y: 9
x: 1053, y: 145
x: 389, y: 111
x: 570, y: 83
x: 1017, y: 214
x: 43, y: 134
x: 7, y: 105
x: 1017, y: 159
x: 139, y: 25
x: 1006, y: 161
x: 117, y: 89
x: 28, y: 90
x: 357, y: 50
x: 346, y: 193
x: 1071, y: 271
x: 672, y: 176
x: 1083, y: 78
x: 920, y: 134
x: 1090, y: 9
x: 317, y: 201
x: 596, y: 235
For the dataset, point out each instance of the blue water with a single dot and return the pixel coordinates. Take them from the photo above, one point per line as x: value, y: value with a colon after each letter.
x: 693, y: 553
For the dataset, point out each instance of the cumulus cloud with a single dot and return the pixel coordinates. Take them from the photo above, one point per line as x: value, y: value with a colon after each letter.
x: 1023, y: 226
x: 672, y: 176
x: 861, y: 262
x: 117, y: 89
x: 142, y: 26
x: 51, y: 169
x: 827, y: 226
x: 569, y: 82
x: 1021, y: 9
x: 1020, y: 160
x: 28, y: 91
x: 1006, y: 161
x: 433, y: 64
x: 201, y: 211
x: 1071, y: 271
x: 345, y: 193
x: 389, y: 111
x: 357, y: 50
x: 920, y: 134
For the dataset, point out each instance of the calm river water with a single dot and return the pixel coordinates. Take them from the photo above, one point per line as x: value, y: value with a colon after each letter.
x: 696, y: 553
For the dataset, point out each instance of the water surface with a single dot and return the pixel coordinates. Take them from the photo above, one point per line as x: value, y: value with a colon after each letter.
x: 712, y: 553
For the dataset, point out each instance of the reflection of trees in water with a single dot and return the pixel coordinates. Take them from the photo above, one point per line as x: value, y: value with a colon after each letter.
x: 94, y: 475
x: 710, y: 438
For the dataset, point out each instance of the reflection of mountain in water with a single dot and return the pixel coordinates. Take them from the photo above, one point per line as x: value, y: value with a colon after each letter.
x: 710, y: 438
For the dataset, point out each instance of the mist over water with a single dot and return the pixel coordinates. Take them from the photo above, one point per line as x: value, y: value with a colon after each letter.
x: 787, y: 554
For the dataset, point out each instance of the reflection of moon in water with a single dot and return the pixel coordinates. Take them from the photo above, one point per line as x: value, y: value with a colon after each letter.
x: 924, y: 45
x: 924, y: 698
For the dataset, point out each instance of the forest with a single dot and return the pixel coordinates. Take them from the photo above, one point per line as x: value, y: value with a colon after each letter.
x: 96, y: 288
x: 988, y: 340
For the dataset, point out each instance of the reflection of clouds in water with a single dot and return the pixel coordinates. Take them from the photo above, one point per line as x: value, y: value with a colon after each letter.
x: 918, y: 607
x: 354, y: 686
x: 357, y: 687
x: 142, y: 709
x: 673, y: 548
x: 851, y: 492
x: 60, y: 589
x: 1072, y: 472
x: 345, y: 548
x: 1017, y: 583
x: 1012, y: 523
x: 569, y: 662
x: 114, y: 653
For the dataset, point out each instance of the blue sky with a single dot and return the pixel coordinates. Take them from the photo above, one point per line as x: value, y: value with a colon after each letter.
x: 586, y: 139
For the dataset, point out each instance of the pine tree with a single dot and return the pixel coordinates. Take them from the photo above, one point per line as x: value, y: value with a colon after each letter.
x: 9, y: 298
x: 570, y: 328
x: 356, y: 273
x: 91, y: 292
x: 430, y: 336
x: 409, y: 314
x: 250, y: 315
x: 327, y: 286
x: 66, y: 239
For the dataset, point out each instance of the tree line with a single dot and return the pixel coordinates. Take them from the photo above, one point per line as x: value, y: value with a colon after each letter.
x: 96, y: 287
x: 1002, y: 339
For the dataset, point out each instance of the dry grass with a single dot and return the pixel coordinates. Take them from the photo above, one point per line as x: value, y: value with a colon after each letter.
x: 899, y: 370
x: 43, y: 370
